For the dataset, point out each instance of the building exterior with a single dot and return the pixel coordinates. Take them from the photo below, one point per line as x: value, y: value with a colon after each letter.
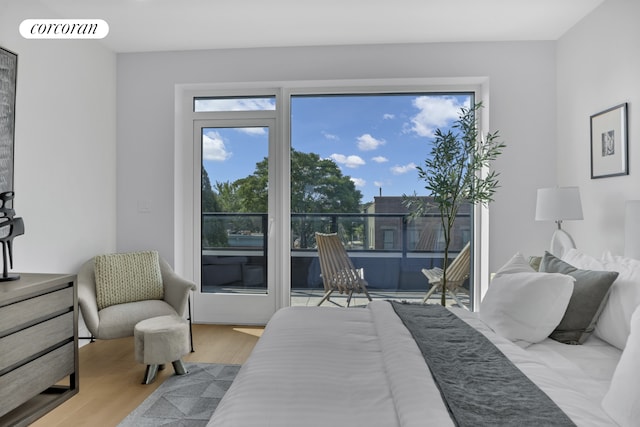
x: 390, y: 228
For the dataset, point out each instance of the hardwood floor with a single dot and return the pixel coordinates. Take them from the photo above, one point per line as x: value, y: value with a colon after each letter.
x: 110, y: 378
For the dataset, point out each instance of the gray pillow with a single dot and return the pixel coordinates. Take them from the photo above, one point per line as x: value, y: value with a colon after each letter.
x: 590, y: 291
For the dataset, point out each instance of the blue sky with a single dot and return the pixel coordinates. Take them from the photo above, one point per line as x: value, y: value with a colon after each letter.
x: 377, y: 140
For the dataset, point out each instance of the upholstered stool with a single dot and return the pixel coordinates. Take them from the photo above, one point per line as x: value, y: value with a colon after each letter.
x: 160, y: 340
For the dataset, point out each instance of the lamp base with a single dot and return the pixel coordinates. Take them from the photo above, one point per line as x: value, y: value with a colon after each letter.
x: 9, y: 277
x: 561, y: 242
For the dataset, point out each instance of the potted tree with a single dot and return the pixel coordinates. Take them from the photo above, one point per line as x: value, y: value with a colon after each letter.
x: 457, y: 171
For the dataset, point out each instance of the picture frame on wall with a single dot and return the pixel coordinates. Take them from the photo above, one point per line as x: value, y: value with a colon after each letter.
x: 609, y: 143
x: 8, y: 81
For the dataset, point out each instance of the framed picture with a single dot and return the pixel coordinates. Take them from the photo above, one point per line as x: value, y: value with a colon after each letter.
x: 8, y: 75
x: 609, y: 143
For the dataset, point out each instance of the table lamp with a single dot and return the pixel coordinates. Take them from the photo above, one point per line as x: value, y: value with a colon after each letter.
x: 559, y: 204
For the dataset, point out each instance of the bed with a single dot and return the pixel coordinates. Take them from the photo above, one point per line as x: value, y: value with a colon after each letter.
x: 389, y: 364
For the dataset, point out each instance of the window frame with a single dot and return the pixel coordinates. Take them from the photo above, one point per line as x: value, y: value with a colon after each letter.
x: 283, y: 91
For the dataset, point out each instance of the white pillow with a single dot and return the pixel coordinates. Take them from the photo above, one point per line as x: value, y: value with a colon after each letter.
x: 622, y: 401
x: 526, y: 307
x: 624, y: 296
x: 581, y: 260
x: 517, y: 264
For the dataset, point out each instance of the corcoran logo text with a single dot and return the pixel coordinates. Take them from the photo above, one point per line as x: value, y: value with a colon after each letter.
x: 64, y: 29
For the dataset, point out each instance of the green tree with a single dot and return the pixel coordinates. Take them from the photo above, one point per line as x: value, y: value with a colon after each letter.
x: 252, y: 191
x: 209, y: 199
x: 317, y: 185
x: 213, y: 230
x: 231, y: 201
x: 228, y: 196
x: 457, y: 172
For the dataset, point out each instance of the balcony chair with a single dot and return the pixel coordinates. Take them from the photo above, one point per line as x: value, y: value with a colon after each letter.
x: 130, y: 287
x: 457, y: 273
x: 337, y: 270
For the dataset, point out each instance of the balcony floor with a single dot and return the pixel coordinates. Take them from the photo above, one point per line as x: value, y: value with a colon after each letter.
x: 311, y: 297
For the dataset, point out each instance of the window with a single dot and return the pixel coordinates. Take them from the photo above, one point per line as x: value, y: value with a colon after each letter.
x: 388, y: 239
x: 348, y: 160
x: 353, y: 157
x: 243, y: 103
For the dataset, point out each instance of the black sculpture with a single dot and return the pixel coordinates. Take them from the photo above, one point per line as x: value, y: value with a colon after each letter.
x: 13, y: 227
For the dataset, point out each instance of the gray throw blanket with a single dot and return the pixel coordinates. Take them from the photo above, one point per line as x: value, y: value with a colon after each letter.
x: 479, y: 384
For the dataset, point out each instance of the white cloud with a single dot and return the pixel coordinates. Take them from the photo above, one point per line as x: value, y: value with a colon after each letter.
x: 378, y: 183
x: 388, y: 116
x: 434, y: 112
x: 367, y: 142
x: 348, y: 161
x: 359, y: 182
x: 253, y: 131
x: 213, y: 147
x: 380, y: 159
x: 399, y: 170
x: 330, y: 136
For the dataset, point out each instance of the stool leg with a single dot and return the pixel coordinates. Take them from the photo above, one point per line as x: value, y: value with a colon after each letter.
x: 150, y: 374
x: 179, y: 368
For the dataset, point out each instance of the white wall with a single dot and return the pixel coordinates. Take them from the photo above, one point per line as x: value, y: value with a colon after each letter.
x: 64, y: 146
x: 599, y: 67
x: 522, y: 104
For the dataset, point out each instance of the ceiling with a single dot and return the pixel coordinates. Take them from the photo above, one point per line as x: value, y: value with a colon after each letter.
x: 155, y: 25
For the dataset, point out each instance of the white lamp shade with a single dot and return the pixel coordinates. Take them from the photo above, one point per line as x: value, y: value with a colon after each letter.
x: 632, y: 229
x: 558, y: 204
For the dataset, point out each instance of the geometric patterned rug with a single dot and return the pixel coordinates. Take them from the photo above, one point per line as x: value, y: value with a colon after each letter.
x: 184, y: 400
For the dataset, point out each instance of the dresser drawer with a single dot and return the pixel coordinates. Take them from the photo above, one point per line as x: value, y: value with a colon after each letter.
x: 30, y: 341
x: 29, y: 310
x: 35, y: 377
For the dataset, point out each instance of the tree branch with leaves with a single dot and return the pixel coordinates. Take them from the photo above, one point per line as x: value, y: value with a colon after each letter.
x: 456, y: 172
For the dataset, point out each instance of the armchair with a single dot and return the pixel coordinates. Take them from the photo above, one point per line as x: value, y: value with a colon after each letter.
x: 119, y: 320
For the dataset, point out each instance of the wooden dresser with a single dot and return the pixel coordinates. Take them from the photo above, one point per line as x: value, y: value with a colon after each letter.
x: 38, y: 345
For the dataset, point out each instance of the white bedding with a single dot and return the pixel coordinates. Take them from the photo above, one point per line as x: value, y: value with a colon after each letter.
x: 320, y: 366
x: 593, y: 362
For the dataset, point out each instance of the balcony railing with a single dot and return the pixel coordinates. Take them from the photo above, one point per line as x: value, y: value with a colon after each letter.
x: 392, y: 248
